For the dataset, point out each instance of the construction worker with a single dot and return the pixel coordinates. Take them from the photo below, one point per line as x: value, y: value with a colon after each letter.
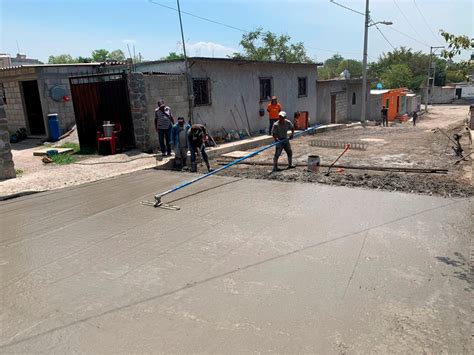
x: 280, y: 133
x: 415, y: 116
x: 180, y: 142
x: 384, y: 114
x: 163, y: 123
x: 273, y: 108
x: 198, y: 136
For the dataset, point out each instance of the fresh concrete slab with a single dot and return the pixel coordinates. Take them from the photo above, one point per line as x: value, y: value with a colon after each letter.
x: 244, y: 266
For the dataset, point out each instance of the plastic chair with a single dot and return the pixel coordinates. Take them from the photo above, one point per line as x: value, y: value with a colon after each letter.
x: 113, y: 140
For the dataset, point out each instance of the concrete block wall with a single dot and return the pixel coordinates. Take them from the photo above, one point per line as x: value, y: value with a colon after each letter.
x: 7, y: 169
x: 49, y: 77
x: 14, y: 108
x: 138, y: 108
x: 173, y: 90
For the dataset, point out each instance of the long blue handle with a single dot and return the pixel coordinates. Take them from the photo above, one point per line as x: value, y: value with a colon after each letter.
x: 183, y: 185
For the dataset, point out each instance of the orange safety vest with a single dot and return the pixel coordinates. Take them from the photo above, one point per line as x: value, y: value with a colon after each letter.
x: 273, y: 110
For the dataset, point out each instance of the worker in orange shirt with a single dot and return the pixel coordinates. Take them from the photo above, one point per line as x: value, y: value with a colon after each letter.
x: 273, y: 109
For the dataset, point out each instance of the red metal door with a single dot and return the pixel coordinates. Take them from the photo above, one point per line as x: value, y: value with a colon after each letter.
x: 98, y: 98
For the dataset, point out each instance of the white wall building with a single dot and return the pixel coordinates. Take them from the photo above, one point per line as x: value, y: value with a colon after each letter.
x: 220, y: 85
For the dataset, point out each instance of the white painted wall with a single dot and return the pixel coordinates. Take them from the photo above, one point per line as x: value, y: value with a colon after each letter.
x: 230, y: 80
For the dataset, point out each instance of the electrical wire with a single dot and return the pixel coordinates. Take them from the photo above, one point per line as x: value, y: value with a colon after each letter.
x: 406, y: 19
x: 385, y: 37
x: 408, y: 36
x: 240, y: 29
x: 426, y: 22
x: 347, y: 8
x: 199, y: 17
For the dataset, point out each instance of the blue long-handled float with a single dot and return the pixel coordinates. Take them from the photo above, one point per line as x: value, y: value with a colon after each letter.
x: 158, y: 197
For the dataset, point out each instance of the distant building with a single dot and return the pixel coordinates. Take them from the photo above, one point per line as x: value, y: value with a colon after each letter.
x: 394, y: 100
x: 7, y: 61
x: 339, y: 100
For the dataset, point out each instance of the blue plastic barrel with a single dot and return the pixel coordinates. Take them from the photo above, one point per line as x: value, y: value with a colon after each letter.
x: 54, y: 129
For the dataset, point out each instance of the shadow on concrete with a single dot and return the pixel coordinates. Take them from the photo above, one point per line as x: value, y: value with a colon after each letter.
x: 462, y: 269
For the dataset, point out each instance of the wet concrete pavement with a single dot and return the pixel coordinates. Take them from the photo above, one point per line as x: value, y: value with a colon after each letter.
x: 246, y: 265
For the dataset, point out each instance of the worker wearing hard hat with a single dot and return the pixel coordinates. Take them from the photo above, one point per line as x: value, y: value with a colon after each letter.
x: 273, y: 108
x: 280, y: 134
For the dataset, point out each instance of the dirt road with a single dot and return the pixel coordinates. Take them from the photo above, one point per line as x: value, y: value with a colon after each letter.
x: 400, y: 145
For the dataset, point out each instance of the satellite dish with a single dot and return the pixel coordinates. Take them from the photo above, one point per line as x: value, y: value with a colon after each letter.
x: 57, y: 93
x: 379, y: 86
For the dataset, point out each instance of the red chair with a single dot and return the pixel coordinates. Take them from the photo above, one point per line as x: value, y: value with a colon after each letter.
x: 113, y: 140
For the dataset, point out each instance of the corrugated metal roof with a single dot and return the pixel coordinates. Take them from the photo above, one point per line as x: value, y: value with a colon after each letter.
x: 97, y: 64
x: 227, y: 60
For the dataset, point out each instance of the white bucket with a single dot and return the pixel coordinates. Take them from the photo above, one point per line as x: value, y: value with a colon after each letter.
x: 313, y: 163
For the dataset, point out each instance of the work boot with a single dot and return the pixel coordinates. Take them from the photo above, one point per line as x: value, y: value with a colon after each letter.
x: 275, y: 169
x: 209, y: 168
x: 291, y: 166
x: 193, y: 167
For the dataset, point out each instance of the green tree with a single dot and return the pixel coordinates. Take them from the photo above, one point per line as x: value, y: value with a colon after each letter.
x: 61, y: 59
x: 100, y: 55
x: 173, y: 56
x: 397, y: 75
x: 329, y: 69
x: 81, y: 59
x: 353, y: 66
x: 260, y: 45
x: 116, y: 55
x: 417, y: 62
x: 456, y: 44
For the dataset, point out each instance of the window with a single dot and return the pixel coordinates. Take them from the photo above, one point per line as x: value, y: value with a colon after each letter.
x: 353, y: 98
x: 202, y: 92
x: 266, y: 88
x: 387, y: 102
x: 302, y: 87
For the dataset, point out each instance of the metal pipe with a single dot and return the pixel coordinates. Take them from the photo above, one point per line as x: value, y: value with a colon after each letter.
x: 159, y: 196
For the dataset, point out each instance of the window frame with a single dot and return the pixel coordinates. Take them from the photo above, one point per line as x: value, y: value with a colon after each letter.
x: 208, y: 84
x: 305, y: 78
x: 269, y: 97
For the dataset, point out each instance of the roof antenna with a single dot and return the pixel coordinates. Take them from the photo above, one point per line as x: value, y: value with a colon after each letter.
x: 18, y: 47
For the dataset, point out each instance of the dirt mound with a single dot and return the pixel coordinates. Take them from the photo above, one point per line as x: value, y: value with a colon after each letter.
x: 430, y: 184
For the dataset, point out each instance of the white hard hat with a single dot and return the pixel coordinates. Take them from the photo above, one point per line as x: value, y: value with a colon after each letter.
x: 282, y: 114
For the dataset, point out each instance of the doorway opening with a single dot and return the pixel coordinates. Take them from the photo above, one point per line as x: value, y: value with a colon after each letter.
x: 34, y: 112
x: 333, y: 108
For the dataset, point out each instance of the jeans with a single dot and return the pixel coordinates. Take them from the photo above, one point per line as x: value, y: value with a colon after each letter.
x: 279, y: 149
x: 164, y: 136
x: 384, y: 121
x: 181, y: 155
x: 272, y: 122
x: 194, y: 150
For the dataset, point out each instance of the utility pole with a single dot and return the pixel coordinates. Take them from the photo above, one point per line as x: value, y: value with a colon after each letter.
x: 428, y: 83
x: 367, y: 23
x: 188, y: 75
x: 363, y: 110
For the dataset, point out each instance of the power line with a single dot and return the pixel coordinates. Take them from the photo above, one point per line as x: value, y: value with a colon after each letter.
x: 347, y: 8
x: 385, y: 37
x: 408, y: 36
x: 235, y: 28
x: 406, y: 19
x: 199, y: 17
x: 426, y: 22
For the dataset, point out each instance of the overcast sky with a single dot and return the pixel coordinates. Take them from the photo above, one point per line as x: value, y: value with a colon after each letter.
x: 52, y: 27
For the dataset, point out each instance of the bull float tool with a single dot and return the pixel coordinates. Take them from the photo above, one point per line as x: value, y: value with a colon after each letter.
x: 159, y: 203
